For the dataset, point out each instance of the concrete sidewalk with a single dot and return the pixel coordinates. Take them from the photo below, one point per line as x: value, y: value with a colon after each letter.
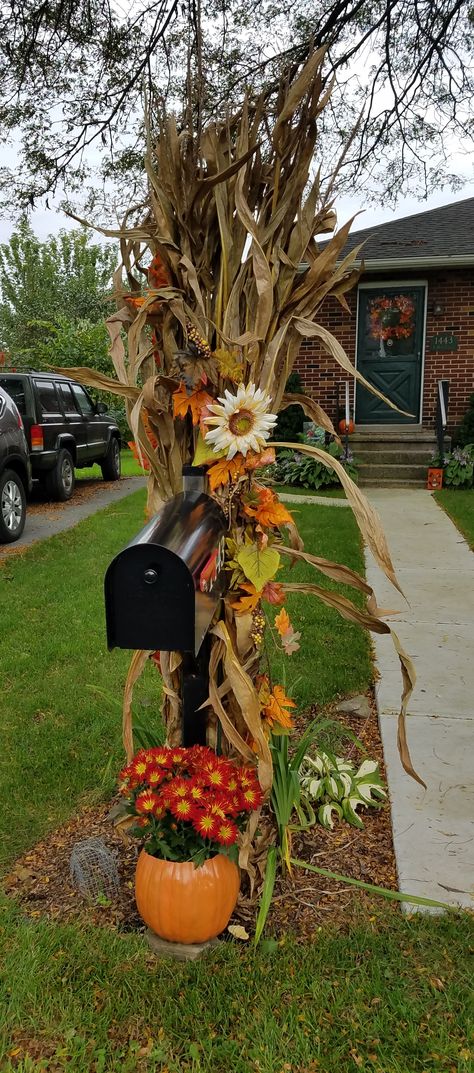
x: 433, y: 829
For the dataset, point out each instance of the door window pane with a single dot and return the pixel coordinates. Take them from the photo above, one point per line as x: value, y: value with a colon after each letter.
x: 67, y: 398
x: 49, y: 401
x: 83, y: 401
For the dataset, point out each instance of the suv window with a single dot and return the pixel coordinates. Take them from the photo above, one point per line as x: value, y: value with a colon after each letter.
x: 48, y: 399
x: 67, y: 398
x: 83, y: 401
x: 16, y: 390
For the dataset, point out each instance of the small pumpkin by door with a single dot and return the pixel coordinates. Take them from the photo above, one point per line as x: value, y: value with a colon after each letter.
x: 184, y: 904
x: 346, y: 426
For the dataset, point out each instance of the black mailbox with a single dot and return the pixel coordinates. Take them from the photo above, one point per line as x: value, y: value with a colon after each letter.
x: 162, y: 590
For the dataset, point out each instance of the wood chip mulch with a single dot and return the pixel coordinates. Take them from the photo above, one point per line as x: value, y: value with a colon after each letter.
x: 303, y: 902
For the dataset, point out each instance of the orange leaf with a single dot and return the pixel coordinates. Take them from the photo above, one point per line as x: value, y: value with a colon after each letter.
x: 275, y: 711
x: 247, y: 603
x: 224, y: 471
x: 157, y: 274
x: 282, y: 622
x: 195, y: 401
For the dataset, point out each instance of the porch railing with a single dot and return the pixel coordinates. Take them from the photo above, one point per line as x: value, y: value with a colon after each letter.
x: 441, y: 418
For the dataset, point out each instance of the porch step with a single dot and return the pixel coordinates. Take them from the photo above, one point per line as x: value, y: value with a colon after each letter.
x: 393, y: 456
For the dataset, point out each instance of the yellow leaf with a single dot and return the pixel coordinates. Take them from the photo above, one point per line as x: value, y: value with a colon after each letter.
x: 258, y: 565
x: 238, y: 931
x: 204, y: 452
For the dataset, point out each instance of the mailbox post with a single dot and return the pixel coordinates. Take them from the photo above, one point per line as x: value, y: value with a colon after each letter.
x: 163, y: 588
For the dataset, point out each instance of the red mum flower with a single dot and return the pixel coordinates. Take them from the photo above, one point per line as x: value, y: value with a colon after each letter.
x: 251, y: 797
x: 216, y: 777
x: 147, y: 802
x: 246, y: 777
x: 161, y: 757
x: 139, y: 765
x: 205, y: 823
x: 155, y: 776
x: 178, y: 756
x: 178, y: 788
x: 226, y: 832
x: 197, y: 792
x: 182, y: 808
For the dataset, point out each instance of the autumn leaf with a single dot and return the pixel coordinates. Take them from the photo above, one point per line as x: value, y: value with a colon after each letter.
x: 157, y: 273
x: 247, y: 603
x: 229, y: 365
x: 282, y: 622
x: 289, y: 641
x: 224, y: 471
x: 195, y: 401
x: 258, y: 565
x: 275, y: 711
x: 204, y: 453
x: 274, y: 593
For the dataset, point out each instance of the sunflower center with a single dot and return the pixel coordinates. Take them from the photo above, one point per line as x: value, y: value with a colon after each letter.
x: 241, y: 422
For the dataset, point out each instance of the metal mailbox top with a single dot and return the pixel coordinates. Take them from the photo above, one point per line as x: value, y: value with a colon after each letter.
x: 161, y: 591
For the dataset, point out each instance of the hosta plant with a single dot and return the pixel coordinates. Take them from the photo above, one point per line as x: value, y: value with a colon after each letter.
x: 337, y: 789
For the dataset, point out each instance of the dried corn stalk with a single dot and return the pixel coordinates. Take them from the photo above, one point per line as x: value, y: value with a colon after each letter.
x: 230, y: 219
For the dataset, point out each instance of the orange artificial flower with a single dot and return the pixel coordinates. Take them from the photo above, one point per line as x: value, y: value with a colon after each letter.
x: 195, y: 401
x: 256, y: 461
x: 268, y: 510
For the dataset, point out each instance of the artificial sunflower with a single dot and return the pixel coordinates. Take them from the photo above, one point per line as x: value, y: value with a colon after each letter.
x: 240, y: 423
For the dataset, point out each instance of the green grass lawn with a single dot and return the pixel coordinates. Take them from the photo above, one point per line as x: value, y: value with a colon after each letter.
x: 391, y: 994
x: 130, y: 468
x: 459, y: 504
x: 61, y: 738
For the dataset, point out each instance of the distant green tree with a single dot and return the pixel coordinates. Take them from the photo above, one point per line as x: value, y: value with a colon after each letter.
x: 54, y: 299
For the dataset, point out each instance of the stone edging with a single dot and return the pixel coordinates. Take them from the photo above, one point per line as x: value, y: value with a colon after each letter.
x: 287, y: 497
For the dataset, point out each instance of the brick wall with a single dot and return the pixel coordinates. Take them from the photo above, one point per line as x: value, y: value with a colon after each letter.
x: 453, y: 291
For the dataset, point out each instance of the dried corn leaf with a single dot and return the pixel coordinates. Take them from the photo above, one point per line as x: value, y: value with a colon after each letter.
x: 137, y: 665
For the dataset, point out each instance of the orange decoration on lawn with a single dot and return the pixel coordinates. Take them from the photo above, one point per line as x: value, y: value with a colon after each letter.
x: 282, y: 622
x: 275, y: 705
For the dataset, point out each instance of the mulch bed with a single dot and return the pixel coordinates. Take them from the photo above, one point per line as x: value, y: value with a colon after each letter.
x: 302, y: 903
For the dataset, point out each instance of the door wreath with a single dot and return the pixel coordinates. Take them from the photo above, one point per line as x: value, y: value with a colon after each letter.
x: 391, y: 318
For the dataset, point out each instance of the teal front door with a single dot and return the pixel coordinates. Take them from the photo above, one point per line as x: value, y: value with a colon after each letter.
x: 389, y: 353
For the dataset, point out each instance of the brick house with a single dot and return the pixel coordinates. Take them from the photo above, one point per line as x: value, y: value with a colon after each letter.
x: 411, y: 323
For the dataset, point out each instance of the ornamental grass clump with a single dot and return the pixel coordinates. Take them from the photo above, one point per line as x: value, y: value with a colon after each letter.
x: 188, y: 804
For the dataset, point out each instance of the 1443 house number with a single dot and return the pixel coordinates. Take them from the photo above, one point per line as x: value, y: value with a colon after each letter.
x: 443, y: 341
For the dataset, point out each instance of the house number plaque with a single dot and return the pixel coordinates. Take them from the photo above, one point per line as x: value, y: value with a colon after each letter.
x: 442, y: 341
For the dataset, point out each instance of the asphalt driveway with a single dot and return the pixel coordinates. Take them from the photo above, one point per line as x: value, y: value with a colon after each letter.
x: 45, y: 518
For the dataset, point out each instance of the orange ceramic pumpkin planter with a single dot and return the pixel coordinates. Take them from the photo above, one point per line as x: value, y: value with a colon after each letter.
x: 184, y: 904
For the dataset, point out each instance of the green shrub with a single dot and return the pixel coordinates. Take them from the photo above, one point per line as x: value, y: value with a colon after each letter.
x: 290, y: 421
x: 293, y: 467
x: 465, y: 433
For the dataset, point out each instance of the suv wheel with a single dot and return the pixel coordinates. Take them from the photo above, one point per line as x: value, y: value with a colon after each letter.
x: 60, y: 481
x: 111, y: 465
x: 12, y: 507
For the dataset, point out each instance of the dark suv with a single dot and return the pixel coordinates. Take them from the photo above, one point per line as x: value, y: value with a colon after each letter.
x: 15, y: 471
x: 65, y: 429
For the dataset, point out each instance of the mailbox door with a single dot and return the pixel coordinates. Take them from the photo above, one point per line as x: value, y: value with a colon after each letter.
x: 150, y: 600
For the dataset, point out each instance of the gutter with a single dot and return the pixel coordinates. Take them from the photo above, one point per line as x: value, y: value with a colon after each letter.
x: 388, y: 264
